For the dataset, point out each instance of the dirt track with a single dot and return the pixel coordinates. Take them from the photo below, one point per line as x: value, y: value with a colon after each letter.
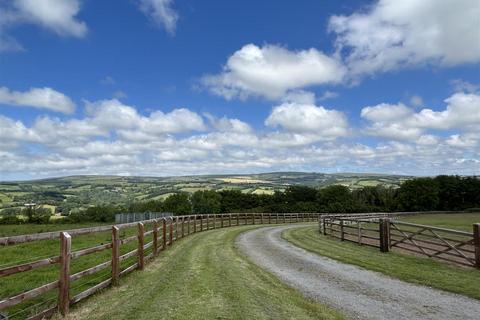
x: 358, y: 293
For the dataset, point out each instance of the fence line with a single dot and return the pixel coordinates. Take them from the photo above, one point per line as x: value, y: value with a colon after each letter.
x: 385, y: 232
x: 164, y: 232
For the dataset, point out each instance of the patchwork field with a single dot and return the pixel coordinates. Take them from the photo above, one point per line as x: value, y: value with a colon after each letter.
x: 67, y: 193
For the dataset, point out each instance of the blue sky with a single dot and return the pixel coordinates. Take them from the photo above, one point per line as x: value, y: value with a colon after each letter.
x: 172, y: 87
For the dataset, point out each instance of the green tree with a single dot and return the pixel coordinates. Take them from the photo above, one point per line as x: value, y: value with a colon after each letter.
x: 205, y: 202
x: 420, y: 194
x: 178, y: 204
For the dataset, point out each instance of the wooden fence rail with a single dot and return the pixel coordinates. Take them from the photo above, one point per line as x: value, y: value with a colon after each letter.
x: 387, y: 233
x: 164, y: 232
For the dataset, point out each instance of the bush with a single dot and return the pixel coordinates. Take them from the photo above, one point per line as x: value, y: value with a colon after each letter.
x: 11, y: 220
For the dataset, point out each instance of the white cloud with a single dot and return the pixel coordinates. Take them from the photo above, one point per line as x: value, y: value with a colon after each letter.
x: 161, y: 12
x: 294, y: 117
x: 271, y: 71
x: 392, y: 34
x: 43, y: 98
x: 114, y: 138
x: 56, y: 15
x: 400, y: 122
x: 385, y: 112
x: 225, y: 124
x: 59, y: 16
x: 115, y: 115
x: 468, y: 140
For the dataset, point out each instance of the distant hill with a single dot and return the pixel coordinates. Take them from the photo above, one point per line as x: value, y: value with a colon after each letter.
x: 81, y: 191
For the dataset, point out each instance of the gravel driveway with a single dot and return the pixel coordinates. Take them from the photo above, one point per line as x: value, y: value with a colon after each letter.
x: 358, y: 293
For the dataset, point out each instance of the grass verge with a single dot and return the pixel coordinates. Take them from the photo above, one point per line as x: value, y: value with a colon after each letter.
x: 418, y: 270
x: 202, y: 277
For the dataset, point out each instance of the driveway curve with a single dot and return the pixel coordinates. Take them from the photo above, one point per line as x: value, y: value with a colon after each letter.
x: 358, y: 293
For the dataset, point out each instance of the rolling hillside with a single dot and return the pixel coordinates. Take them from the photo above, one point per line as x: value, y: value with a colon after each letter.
x: 78, y: 191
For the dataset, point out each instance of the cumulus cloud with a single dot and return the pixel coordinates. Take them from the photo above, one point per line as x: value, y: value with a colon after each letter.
x: 115, y: 138
x: 401, y: 122
x: 59, y: 16
x: 308, y: 118
x: 161, y: 12
x: 271, y: 71
x: 393, y: 34
x: 43, y: 98
x: 56, y: 15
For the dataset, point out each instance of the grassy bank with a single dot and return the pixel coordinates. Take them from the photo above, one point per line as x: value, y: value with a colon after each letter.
x: 419, y: 270
x: 202, y: 277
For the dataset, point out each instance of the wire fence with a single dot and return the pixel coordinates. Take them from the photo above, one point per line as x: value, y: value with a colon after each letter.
x: 140, y: 216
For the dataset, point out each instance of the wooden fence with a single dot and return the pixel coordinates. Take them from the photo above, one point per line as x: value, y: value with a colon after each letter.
x: 162, y: 233
x: 385, y: 233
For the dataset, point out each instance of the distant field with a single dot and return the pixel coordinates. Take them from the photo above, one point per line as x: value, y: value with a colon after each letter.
x: 458, y: 221
x: 77, y: 191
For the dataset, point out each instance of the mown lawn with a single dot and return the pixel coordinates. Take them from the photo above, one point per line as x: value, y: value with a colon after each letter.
x: 419, y: 270
x: 18, y: 229
x: 457, y: 221
x: 202, y: 277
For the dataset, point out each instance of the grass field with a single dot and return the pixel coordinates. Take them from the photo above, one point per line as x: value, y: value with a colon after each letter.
x: 458, y: 221
x: 419, y: 270
x: 18, y: 229
x: 202, y: 277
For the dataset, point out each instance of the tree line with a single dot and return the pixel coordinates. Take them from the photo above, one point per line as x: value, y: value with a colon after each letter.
x: 418, y: 194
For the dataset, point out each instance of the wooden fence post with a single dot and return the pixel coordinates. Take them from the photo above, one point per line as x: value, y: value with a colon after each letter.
x: 342, y: 234
x: 476, y: 240
x: 261, y: 218
x: 115, y: 255
x: 164, y: 233
x: 269, y: 218
x: 183, y: 226
x: 253, y: 218
x: 195, y: 224
x: 384, y: 230
x: 171, y: 232
x: 175, y: 238
x: 221, y: 221
x: 141, y: 243
x: 64, y: 280
x: 359, y: 227
x: 284, y: 221
x: 238, y: 219
x: 229, y: 219
x: 155, y: 237
x: 201, y: 222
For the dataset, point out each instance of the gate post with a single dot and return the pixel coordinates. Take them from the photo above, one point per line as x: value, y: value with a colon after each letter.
x: 476, y: 240
x: 384, y: 230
